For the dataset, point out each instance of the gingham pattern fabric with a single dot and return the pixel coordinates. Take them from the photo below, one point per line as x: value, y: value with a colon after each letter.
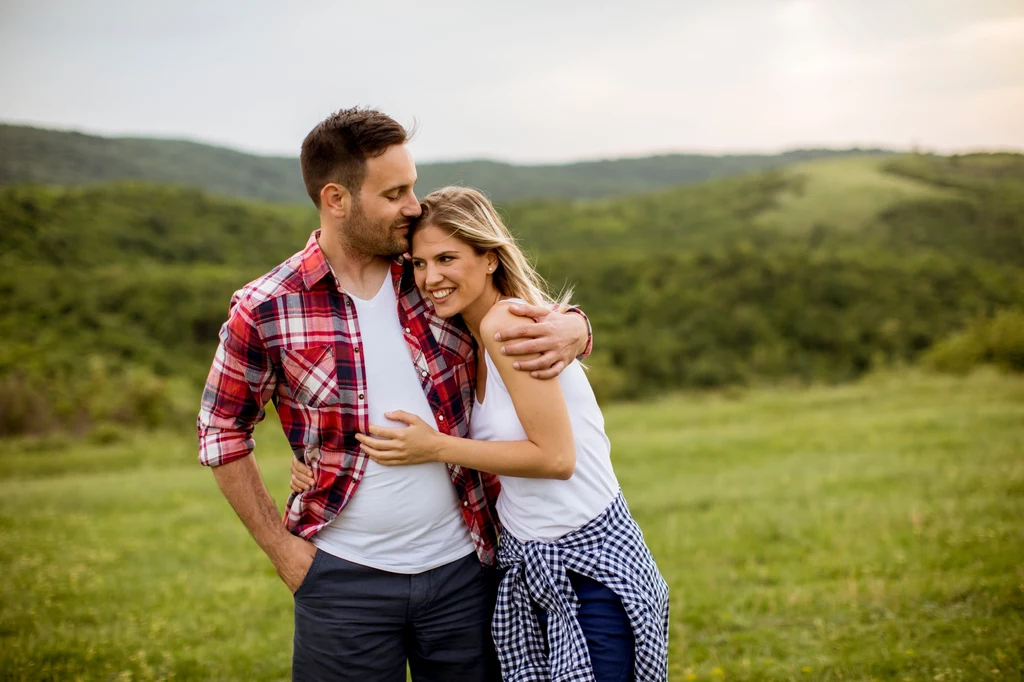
x: 611, y: 550
x: 292, y: 337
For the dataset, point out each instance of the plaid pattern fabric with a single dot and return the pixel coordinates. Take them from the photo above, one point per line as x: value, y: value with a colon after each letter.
x: 611, y: 550
x: 292, y: 337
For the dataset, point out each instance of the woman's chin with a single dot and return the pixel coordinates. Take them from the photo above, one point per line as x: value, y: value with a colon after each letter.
x: 445, y: 309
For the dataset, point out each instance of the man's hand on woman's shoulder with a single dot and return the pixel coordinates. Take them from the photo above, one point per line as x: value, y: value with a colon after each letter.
x: 556, y: 339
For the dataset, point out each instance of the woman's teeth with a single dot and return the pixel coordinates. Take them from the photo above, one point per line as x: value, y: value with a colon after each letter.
x: 442, y: 294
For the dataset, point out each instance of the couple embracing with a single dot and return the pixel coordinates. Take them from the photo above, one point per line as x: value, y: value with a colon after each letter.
x: 454, y: 506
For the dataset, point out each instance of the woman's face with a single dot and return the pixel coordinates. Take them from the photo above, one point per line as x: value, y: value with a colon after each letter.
x: 448, y: 271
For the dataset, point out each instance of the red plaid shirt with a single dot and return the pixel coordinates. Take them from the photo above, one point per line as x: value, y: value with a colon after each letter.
x: 292, y: 337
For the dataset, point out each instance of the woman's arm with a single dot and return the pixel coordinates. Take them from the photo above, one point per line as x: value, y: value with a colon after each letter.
x: 549, y: 452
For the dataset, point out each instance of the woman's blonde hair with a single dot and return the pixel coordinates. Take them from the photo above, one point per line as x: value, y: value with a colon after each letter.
x: 470, y: 217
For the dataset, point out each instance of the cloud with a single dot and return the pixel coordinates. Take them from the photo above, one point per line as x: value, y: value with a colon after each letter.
x: 798, y: 14
x: 530, y: 81
x: 1005, y: 32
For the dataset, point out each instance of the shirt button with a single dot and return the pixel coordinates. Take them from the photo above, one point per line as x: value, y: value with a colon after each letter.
x: 357, y: 349
x: 408, y: 331
x: 361, y: 396
x: 465, y: 504
x: 423, y: 373
x: 440, y: 417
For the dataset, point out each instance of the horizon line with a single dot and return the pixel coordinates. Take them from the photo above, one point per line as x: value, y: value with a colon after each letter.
x: 874, y: 147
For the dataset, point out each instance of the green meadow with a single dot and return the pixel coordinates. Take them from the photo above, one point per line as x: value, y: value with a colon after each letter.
x: 822, y: 506
x: 843, y: 193
x: 865, y: 531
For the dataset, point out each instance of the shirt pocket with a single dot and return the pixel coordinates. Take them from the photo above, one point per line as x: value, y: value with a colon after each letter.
x: 311, y: 375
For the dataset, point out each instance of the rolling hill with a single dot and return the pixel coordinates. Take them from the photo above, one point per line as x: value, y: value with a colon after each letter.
x: 819, y: 271
x: 49, y: 157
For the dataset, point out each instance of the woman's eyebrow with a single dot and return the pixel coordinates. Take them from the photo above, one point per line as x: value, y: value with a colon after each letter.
x: 449, y: 252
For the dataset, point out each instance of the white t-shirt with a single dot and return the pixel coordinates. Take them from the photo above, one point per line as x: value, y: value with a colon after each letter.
x: 402, y: 519
x: 546, y: 509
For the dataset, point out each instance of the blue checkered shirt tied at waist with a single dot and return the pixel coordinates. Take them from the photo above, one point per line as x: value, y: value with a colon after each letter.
x: 611, y: 550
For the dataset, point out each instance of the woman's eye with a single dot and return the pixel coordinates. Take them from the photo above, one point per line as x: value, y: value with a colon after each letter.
x: 417, y: 264
x: 445, y: 259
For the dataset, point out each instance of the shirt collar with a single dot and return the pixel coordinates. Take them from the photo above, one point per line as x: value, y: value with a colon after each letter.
x: 314, y: 266
x: 312, y: 263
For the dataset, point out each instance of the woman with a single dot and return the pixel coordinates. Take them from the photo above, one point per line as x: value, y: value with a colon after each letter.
x: 581, y: 597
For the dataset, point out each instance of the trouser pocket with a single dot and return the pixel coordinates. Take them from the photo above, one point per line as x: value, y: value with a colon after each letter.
x: 310, y: 574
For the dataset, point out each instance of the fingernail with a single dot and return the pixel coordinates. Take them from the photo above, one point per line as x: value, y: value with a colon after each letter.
x: 515, y: 365
x: 497, y: 337
x: 503, y: 350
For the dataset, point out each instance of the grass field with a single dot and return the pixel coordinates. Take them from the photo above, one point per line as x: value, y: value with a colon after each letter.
x: 869, y: 531
x: 843, y: 193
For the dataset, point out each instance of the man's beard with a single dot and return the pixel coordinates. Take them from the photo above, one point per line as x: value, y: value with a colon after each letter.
x: 376, y: 239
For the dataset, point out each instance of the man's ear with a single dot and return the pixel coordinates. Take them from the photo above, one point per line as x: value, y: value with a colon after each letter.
x: 336, y: 200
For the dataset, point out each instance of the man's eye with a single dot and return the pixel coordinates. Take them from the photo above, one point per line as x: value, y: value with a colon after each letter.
x: 394, y: 198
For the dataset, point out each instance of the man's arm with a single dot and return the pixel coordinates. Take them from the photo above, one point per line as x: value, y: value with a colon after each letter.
x: 242, y: 485
x: 240, y: 383
x: 559, y: 338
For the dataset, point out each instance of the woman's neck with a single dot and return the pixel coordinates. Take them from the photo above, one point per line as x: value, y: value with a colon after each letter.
x: 474, y: 313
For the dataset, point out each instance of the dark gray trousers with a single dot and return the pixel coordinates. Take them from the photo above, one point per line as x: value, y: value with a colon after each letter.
x: 361, y: 624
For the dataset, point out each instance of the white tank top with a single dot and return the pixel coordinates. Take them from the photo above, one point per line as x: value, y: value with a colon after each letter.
x: 547, y: 509
x: 402, y: 519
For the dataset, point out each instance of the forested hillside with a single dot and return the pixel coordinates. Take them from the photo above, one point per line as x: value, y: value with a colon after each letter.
x: 49, y: 157
x: 816, y: 272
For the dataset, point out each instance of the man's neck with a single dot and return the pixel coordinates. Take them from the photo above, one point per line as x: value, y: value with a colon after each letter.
x: 359, y: 274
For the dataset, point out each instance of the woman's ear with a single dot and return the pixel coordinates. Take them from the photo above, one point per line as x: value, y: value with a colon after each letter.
x: 492, y: 261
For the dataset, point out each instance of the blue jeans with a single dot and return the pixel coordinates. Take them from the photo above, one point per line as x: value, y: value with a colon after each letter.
x: 606, y: 627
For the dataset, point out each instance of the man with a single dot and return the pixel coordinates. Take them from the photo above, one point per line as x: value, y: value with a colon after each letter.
x: 386, y: 564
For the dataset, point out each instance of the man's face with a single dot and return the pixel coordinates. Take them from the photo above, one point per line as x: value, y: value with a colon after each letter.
x: 385, y: 205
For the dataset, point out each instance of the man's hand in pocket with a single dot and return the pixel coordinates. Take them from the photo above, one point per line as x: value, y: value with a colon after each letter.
x: 293, y: 559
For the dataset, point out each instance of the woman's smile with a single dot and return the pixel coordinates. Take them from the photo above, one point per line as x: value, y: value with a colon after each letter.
x: 442, y: 294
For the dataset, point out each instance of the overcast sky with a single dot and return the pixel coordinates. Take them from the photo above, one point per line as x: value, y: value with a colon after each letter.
x: 530, y: 80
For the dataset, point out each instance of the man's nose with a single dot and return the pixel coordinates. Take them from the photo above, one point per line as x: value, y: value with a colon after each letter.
x: 412, y: 207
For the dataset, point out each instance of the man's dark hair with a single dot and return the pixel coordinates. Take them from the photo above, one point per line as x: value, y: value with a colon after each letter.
x: 336, y: 150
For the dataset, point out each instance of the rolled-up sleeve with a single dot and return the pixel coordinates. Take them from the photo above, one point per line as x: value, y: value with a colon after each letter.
x: 240, y: 383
